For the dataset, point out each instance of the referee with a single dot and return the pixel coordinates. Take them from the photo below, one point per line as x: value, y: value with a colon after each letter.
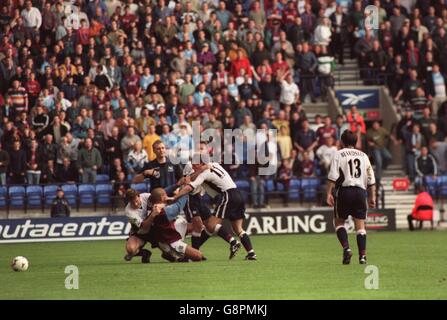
x: 161, y: 172
x: 351, y: 176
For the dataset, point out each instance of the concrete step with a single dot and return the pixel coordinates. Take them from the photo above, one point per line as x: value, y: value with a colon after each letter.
x: 349, y: 83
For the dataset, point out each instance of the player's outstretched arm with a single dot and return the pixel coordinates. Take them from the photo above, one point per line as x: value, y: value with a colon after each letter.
x: 183, y: 191
x: 173, y: 210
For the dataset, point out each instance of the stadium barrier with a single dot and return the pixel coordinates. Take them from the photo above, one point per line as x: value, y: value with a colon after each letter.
x: 300, y: 191
x: 260, y: 222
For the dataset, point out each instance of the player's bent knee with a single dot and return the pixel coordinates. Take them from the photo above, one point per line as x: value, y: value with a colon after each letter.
x: 132, y: 246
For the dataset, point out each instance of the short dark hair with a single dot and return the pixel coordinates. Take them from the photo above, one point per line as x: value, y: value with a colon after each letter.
x: 131, y: 194
x: 349, y: 138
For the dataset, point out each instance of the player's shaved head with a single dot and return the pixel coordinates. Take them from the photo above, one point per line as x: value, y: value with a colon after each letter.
x: 158, y: 195
x: 349, y: 138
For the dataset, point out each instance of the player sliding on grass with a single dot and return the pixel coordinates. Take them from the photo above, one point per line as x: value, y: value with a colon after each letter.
x: 152, y: 221
x: 351, y: 176
x: 230, y: 205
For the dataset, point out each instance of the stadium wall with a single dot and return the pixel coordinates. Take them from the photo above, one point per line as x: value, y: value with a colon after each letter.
x: 269, y: 222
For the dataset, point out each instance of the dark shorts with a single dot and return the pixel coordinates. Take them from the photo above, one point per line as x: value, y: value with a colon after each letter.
x: 196, y: 207
x: 144, y: 237
x: 350, y: 201
x: 230, y: 205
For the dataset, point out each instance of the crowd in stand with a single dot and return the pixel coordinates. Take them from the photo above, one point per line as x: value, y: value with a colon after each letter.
x: 87, y: 87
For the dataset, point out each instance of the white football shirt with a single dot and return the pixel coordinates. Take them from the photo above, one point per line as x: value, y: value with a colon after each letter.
x: 214, y: 180
x: 137, y: 216
x: 351, y: 168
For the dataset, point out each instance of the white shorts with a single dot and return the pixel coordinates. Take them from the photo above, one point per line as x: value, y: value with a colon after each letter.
x: 176, y: 249
x: 181, y: 225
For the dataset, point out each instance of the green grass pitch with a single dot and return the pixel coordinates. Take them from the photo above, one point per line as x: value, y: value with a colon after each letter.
x: 411, y: 266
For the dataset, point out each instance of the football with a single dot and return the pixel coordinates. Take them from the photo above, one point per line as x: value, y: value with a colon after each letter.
x: 20, y: 264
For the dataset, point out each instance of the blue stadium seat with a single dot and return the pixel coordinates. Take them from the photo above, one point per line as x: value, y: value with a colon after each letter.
x: 34, y: 195
x: 243, y: 184
x: 17, y: 196
x: 71, y: 193
x: 3, y: 194
x: 102, y: 178
x: 310, y: 187
x: 432, y: 185
x: 49, y: 193
x: 140, y: 187
x: 244, y: 188
x: 294, y: 190
x: 86, y: 194
x: 269, y: 186
x: 443, y: 186
x: 103, y: 194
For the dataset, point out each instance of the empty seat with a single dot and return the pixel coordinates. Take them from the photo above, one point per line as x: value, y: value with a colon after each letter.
x: 3, y: 194
x: 243, y: 185
x: 17, y: 196
x: 294, y: 189
x: 86, y: 194
x: 310, y: 188
x: 49, y: 193
x: 34, y: 195
x: 103, y: 194
x: 432, y: 185
x: 269, y: 186
x: 140, y: 187
x: 442, y: 186
x: 102, y: 178
x: 71, y: 193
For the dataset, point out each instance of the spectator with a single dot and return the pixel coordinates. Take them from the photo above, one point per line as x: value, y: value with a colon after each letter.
x: 60, y: 206
x: 355, y: 120
x: 34, y: 161
x: 128, y: 142
x: 149, y: 139
x: 67, y: 173
x: 89, y: 162
x: 308, y: 67
x: 439, y: 150
x: 257, y: 187
x: 4, y: 165
x: 284, y: 143
x: 306, y: 141
x: 285, y: 174
x: 307, y: 166
x: 17, y: 164
x: 414, y: 141
x: 137, y: 157
x: 425, y: 165
x: 325, y: 154
x: 290, y: 93
x: 49, y: 174
x: 378, y: 139
x: 119, y: 190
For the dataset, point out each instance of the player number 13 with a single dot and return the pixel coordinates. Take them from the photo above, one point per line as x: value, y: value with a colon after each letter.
x: 354, y: 168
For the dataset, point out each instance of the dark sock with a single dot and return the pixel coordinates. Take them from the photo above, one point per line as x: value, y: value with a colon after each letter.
x: 361, y: 243
x: 342, y: 236
x: 224, y: 233
x: 197, y: 241
x: 139, y: 253
x: 245, y: 240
